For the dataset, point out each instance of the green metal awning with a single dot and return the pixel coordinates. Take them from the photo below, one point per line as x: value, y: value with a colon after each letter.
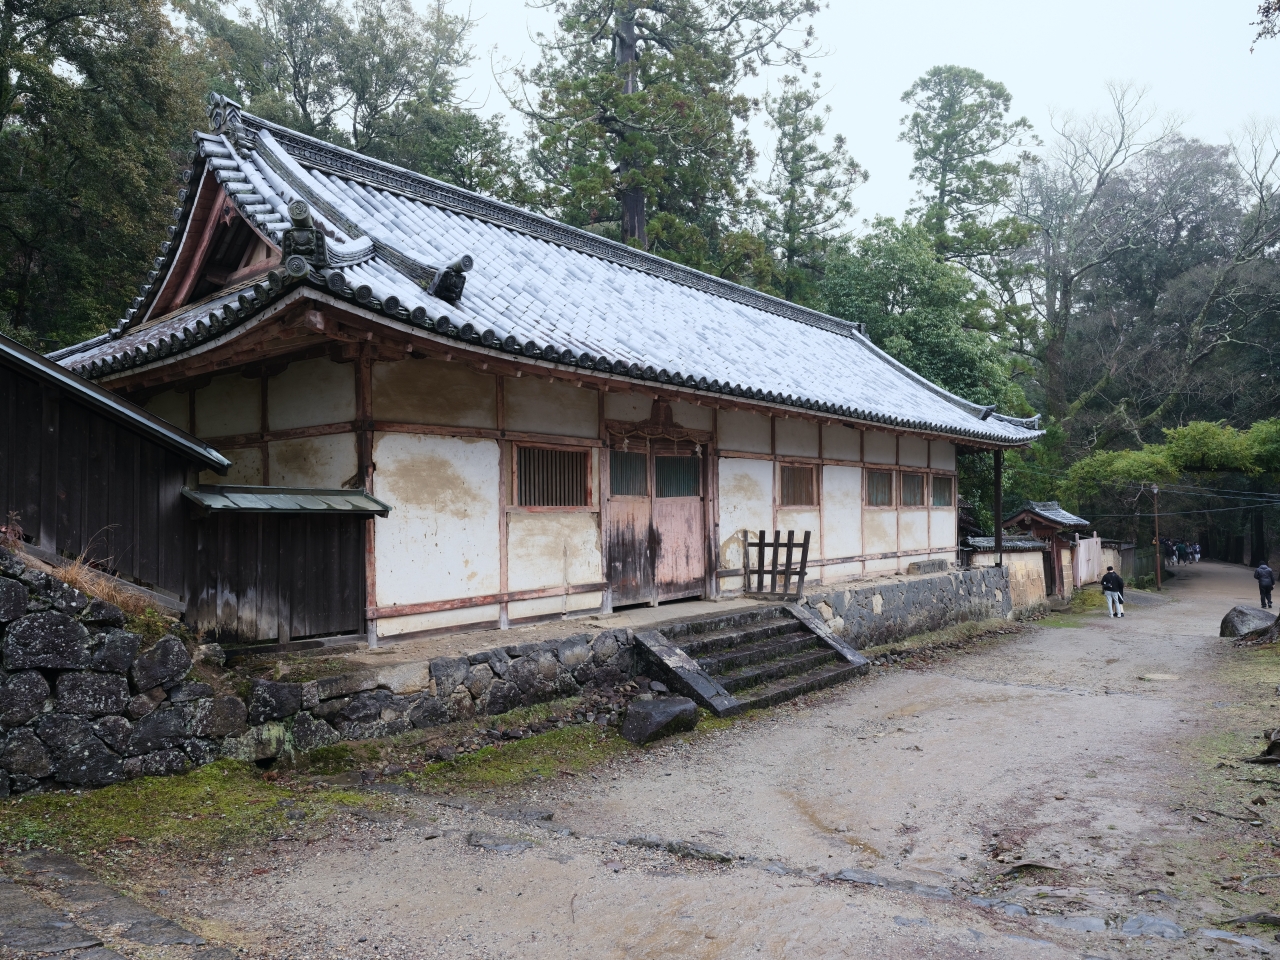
x: 232, y: 499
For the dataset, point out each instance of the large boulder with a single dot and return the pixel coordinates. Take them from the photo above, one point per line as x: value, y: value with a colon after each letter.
x: 117, y: 649
x: 24, y: 755
x: 91, y: 694
x: 162, y: 666
x: 22, y: 696
x: 219, y: 717
x: 649, y: 720
x: 273, y: 701
x: 48, y: 640
x: 88, y: 764
x: 1241, y: 620
x: 99, y: 613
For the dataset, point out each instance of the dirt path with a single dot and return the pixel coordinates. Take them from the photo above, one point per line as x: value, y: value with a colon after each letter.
x: 1046, y: 747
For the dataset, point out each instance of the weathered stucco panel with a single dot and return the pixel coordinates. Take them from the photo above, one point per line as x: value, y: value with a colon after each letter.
x: 842, y: 511
x: 172, y: 407
x: 879, y: 531
x: 440, y: 541
x: 1026, y: 577
x: 313, y: 461
x: 913, y: 530
x: 942, y: 527
x: 879, y: 447
x: 884, y: 565
x: 913, y: 451
x: 550, y: 606
x: 246, y: 468
x: 841, y: 443
x: 435, y: 392
x: 552, y: 549
x: 841, y: 571
x: 801, y: 519
x: 440, y: 620
x: 693, y: 416
x: 631, y: 407
x: 311, y: 392
x: 747, y: 432
x: 942, y: 455
x: 795, y: 438
x: 746, y: 502
x: 537, y: 406
x: 229, y: 406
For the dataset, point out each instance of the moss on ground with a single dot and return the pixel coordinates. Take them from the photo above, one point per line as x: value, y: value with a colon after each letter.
x: 967, y: 632
x: 224, y: 803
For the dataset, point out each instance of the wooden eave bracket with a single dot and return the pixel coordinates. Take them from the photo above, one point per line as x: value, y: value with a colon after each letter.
x: 684, y: 674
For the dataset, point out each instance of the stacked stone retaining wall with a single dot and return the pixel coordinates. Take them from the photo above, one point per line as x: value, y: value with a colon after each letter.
x: 867, y: 614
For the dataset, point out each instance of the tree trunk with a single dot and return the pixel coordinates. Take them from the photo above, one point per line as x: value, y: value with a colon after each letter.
x: 627, y: 56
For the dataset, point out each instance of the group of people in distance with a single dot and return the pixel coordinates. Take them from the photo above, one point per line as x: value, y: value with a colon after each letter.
x: 1179, y: 551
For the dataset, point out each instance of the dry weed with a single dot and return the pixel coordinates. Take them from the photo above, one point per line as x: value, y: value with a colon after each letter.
x: 95, y: 583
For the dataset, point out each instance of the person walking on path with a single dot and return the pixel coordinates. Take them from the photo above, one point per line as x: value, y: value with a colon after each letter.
x: 1113, y: 590
x: 1266, y: 578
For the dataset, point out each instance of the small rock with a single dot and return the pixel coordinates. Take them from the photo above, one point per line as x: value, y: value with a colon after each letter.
x: 91, y: 694
x: 139, y: 706
x: 190, y: 690
x: 494, y: 844
x: 211, y: 653
x: 1145, y: 925
x: 310, y: 733
x: 657, y: 687
x: 649, y: 720
x: 99, y: 613
x: 115, y: 732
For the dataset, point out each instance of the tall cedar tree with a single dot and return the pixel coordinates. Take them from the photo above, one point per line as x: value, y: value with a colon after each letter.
x: 809, y: 191
x: 375, y: 76
x: 637, y: 124
x: 96, y: 97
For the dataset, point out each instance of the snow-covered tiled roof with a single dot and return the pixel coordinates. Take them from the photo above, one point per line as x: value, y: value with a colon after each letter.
x: 1052, y: 511
x: 537, y: 288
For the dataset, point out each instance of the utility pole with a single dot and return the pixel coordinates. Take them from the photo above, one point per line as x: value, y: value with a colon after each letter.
x: 1155, y: 496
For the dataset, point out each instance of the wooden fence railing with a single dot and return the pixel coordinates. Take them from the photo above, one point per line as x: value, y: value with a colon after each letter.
x: 778, y: 576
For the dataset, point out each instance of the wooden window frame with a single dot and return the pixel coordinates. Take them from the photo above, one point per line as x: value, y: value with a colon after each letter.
x: 588, y: 506
x: 648, y: 479
x: 924, y: 489
x: 866, y: 490
x: 653, y: 470
x: 951, y: 479
x: 812, y: 466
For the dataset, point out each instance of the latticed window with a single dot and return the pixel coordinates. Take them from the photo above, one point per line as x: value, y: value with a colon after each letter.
x: 796, y: 487
x: 677, y: 476
x: 879, y: 488
x: 913, y: 490
x: 628, y: 474
x: 551, y: 478
x: 942, y: 492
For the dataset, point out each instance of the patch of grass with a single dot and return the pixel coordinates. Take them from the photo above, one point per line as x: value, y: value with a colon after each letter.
x: 955, y: 633
x: 570, y: 749
x: 223, y: 803
x: 149, y: 625
x: 1088, y: 598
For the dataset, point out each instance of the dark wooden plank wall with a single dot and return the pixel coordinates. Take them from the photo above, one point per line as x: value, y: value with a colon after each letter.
x: 263, y: 578
x: 84, y: 485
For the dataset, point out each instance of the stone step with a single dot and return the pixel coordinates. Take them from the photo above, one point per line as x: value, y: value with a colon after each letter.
x: 792, y: 666
x: 770, y: 647
x: 682, y: 633
x: 731, y: 637
x: 787, y: 688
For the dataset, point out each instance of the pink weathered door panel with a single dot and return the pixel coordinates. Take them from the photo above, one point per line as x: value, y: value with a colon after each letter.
x: 630, y: 546
x: 680, y: 564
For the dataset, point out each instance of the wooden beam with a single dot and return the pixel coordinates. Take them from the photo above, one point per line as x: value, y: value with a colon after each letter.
x: 436, y: 606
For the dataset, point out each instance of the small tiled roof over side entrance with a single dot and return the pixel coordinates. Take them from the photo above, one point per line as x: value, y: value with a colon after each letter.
x: 533, y: 287
x: 1051, y: 511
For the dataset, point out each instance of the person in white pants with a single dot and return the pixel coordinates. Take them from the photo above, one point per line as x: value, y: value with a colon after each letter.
x: 1113, y: 589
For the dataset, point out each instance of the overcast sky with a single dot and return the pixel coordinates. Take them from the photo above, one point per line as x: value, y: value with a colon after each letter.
x: 1192, y: 55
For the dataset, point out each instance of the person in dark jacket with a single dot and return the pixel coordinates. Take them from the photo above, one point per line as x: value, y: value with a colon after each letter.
x: 1113, y: 590
x: 1266, y: 578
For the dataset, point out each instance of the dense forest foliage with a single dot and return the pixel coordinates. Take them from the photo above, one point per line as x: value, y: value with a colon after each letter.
x: 1111, y: 273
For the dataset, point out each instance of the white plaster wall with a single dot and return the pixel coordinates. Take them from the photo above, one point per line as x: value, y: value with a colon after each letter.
x: 631, y: 407
x: 879, y: 530
x: 440, y: 541
x: 913, y: 451
x: 801, y: 519
x: 942, y: 455
x: 841, y: 443
x: 841, y: 571
x: 795, y: 438
x: 539, y: 406
x: 746, y: 502
x: 550, y: 606
x: 693, y: 416
x: 172, y: 407
x: 552, y: 549
x: 311, y: 392
x: 435, y: 392
x: 879, y: 447
x: 942, y: 527
x: 229, y: 406
x: 885, y: 565
x: 327, y: 462
x: 440, y: 620
x: 246, y: 468
x: 842, y: 511
x: 913, y: 530
x: 747, y: 432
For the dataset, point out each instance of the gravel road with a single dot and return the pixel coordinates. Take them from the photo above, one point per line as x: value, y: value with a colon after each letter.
x: 1047, y: 746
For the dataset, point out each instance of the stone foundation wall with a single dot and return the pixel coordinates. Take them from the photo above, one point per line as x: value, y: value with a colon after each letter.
x: 867, y: 614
